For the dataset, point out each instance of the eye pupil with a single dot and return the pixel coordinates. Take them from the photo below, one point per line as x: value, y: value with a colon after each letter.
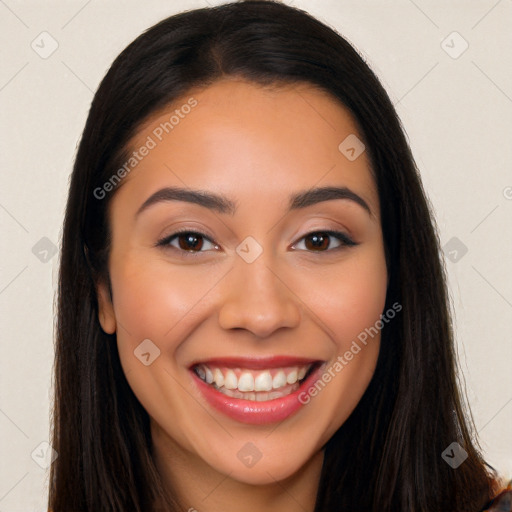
x: 319, y: 241
x: 192, y: 242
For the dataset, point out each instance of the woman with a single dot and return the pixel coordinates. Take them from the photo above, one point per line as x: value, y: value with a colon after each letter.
x: 252, y: 307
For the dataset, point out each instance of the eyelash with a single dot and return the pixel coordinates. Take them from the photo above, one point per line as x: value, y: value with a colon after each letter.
x: 345, y: 240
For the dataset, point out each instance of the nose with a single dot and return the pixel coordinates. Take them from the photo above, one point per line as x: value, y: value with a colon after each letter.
x: 258, y: 299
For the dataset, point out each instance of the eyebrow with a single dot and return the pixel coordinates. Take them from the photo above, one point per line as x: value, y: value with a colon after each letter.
x: 222, y: 204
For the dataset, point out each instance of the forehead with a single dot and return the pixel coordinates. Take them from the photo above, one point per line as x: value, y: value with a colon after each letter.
x: 237, y: 137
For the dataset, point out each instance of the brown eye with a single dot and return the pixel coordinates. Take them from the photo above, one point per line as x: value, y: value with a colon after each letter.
x: 317, y: 241
x: 188, y: 241
x: 322, y: 241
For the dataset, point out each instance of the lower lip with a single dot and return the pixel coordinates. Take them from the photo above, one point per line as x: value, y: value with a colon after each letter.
x: 252, y: 412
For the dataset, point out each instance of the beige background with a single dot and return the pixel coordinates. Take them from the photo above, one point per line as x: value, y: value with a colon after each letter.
x: 456, y: 111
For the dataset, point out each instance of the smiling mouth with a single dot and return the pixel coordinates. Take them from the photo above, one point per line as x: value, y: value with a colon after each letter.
x: 260, y: 385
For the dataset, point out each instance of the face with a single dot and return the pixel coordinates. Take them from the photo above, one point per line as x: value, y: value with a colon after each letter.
x: 238, y: 300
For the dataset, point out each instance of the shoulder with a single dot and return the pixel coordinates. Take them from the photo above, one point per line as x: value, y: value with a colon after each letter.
x: 503, y: 501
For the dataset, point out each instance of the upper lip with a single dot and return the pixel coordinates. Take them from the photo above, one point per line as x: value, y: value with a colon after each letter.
x: 256, y: 363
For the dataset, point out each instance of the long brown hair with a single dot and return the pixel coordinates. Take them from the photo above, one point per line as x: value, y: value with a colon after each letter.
x: 387, y: 455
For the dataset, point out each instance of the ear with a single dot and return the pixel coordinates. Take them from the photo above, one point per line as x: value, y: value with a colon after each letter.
x: 106, y: 314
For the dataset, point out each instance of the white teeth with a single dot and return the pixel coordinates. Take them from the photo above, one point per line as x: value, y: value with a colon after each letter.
x: 249, y: 381
x: 279, y: 380
x: 291, y: 378
x: 259, y: 397
x: 230, y: 380
x: 263, y: 382
x: 218, y: 377
x: 246, y: 382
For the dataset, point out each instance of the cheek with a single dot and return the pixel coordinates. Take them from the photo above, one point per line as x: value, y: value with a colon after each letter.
x: 153, y: 301
x: 151, y: 298
x: 348, y: 297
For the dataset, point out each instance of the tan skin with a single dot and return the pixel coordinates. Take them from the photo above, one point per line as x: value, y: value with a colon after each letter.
x: 255, y: 146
